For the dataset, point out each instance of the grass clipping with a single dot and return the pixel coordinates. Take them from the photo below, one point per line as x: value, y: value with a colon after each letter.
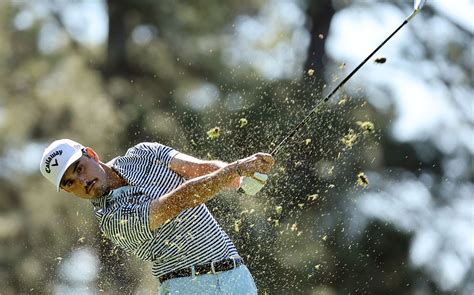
x: 214, y: 133
x: 352, y: 136
x: 362, y: 180
x: 366, y: 126
x: 243, y: 122
x: 349, y: 139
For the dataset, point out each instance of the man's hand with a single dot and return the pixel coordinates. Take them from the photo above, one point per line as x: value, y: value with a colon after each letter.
x: 257, y: 163
x: 252, y: 183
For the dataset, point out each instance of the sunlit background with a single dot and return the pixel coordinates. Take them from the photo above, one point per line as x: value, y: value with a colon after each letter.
x: 114, y: 74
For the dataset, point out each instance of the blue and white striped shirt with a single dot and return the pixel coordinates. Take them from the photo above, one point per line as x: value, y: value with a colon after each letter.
x: 193, y: 237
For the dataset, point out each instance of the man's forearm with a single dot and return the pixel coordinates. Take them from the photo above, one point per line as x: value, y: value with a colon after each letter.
x: 204, y: 187
x: 194, y: 192
x: 211, y: 166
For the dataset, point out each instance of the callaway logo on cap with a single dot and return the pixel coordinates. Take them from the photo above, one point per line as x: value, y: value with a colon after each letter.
x: 57, y: 157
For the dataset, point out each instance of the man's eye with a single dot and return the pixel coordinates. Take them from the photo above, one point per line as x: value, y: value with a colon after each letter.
x: 79, y: 169
x: 69, y: 183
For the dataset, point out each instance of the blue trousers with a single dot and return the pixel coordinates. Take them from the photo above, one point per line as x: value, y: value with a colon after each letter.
x: 234, y: 281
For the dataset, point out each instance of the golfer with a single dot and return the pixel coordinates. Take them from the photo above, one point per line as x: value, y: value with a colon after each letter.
x: 150, y: 202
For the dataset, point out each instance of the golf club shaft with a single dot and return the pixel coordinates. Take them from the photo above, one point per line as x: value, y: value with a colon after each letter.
x: 316, y: 108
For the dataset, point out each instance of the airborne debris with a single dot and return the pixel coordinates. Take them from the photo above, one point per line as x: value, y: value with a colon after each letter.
x: 331, y: 170
x: 243, y: 122
x: 214, y: 133
x: 321, y: 36
x: 310, y: 72
x: 362, y: 179
x: 342, y: 65
x: 237, y: 224
x: 278, y: 209
x: 246, y: 211
x: 380, y: 60
x: 313, y: 197
x: 307, y: 141
x: 276, y: 222
x: 342, y: 101
x: 367, y: 126
x: 349, y: 139
x: 294, y: 227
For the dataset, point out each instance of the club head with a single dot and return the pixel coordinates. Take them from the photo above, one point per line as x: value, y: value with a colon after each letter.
x: 419, y: 4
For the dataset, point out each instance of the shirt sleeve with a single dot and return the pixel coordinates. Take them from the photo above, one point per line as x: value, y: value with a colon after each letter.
x: 128, y: 224
x: 164, y: 154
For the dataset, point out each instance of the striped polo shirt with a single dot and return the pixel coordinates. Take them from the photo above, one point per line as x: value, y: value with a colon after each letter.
x: 193, y: 237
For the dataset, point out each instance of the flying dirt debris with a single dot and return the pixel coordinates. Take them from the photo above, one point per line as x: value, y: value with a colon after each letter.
x: 243, y: 122
x: 380, y: 60
x: 362, y: 180
x: 213, y: 133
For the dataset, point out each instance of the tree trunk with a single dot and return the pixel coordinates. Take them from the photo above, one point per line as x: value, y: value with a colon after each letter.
x: 319, y: 15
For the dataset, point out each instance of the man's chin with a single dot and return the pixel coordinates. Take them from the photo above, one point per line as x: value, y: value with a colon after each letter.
x: 97, y: 192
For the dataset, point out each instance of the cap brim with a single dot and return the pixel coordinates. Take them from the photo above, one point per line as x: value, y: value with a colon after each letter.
x: 69, y: 162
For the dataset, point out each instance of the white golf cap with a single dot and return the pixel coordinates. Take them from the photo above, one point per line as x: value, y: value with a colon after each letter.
x: 57, y: 157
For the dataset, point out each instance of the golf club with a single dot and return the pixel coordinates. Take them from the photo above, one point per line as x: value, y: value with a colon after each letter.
x: 418, y: 5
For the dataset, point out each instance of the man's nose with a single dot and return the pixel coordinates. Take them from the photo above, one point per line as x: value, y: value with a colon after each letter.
x: 82, y: 180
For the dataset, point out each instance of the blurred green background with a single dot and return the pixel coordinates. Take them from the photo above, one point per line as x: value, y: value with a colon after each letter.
x: 111, y: 74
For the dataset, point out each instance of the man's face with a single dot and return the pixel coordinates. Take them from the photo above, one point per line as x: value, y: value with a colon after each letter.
x: 85, y: 178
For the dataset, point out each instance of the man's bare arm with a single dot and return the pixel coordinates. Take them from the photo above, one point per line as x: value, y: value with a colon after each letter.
x: 189, y: 167
x: 203, y: 188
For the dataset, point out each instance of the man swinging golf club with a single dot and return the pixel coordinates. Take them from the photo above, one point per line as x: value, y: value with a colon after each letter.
x: 150, y: 202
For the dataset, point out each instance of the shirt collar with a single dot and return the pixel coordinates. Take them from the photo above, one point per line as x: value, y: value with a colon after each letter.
x: 101, y: 201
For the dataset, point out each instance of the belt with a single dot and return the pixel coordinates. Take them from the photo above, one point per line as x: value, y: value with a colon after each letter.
x: 212, y: 267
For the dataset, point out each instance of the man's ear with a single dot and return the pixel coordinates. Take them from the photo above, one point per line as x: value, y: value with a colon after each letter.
x: 92, y: 154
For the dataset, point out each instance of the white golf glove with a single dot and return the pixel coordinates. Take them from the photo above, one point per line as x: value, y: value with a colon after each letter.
x: 251, y: 185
